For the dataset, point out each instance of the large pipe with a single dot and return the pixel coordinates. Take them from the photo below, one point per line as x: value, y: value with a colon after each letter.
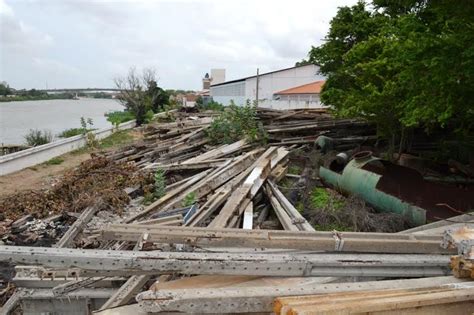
x: 358, y: 181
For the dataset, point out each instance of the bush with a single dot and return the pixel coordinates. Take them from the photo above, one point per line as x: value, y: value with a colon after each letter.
x: 235, y: 123
x: 36, y: 137
x: 118, y: 117
x: 71, y: 132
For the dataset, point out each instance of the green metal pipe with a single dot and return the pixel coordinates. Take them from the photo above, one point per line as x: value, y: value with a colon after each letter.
x: 363, y: 183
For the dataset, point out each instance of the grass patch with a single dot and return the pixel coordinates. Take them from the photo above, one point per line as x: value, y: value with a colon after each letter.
x: 116, y: 139
x: 71, y: 132
x: 332, y: 227
x: 54, y: 161
x: 321, y: 199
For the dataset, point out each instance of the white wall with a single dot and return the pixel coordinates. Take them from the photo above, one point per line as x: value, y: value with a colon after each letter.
x: 281, y: 80
x: 225, y: 93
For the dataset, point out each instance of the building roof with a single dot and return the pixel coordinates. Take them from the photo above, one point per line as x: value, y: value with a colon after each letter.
x: 310, y: 88
x: 261, y: 74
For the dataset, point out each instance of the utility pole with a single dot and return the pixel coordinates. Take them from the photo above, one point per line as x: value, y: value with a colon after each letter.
x: 256, y: 91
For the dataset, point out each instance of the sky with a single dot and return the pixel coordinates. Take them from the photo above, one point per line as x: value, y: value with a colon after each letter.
x: 88, y: 43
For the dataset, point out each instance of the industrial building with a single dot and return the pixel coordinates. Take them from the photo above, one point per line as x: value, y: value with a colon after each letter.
x: 295, y: 87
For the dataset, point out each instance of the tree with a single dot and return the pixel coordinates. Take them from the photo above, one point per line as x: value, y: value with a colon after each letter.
x: 140, y: 94
x: 5, y: 89
x: 401, y: 64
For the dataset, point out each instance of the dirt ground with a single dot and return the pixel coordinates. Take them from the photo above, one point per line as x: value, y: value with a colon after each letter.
x: 39, y: 176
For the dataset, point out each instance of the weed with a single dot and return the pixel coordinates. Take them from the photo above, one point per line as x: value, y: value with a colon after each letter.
x: 148, y: 198
x: 54, y: 161
x: 36, y: 137
x: 160, y: 184
x: 235, y: 123
x: 189, y: 200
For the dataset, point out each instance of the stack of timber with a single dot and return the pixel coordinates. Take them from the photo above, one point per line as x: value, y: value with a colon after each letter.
x: 223, y: 238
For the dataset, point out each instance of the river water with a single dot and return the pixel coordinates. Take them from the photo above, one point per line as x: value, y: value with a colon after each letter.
x: 16, y: 118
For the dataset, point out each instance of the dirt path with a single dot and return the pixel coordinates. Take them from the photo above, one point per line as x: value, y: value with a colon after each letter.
x: 39, y: 176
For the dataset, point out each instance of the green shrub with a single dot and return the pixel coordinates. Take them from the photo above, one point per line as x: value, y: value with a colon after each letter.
x: 36, y: 137
x: 118, y: 117
x: 235, y: 123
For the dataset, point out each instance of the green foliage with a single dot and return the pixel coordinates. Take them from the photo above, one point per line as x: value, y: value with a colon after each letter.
x: 118, y: 117
x: 54, y: 161
x: 189, y: 200
x: 91, y: 140
x: 36, y: 137
x: 116, y: 139
x: 5, y: 89
x: 321, y: 199
x: 160, y: 184
x: 71, y: 132
x: 401, y: 64
x: 294, y: 169
x: 235, y: 123
x: 140, y: 94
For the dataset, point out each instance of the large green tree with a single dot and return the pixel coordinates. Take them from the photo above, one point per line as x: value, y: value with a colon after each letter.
x: 401, y: 64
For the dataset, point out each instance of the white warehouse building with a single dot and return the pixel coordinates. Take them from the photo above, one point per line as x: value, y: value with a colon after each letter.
x: 300, y: 79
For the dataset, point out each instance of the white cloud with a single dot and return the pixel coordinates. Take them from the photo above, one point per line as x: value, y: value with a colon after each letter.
x: 95, y: 41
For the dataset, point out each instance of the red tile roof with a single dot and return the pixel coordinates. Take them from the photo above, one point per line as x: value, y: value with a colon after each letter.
x: 310, y: 88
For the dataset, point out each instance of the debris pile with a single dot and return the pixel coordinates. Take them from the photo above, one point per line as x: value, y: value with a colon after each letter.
x: 237, y: 228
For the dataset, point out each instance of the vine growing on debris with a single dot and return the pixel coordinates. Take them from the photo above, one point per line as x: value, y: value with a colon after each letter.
x: 235, y: 123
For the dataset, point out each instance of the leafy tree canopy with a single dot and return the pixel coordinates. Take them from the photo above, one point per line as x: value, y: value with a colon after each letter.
x: 401, y: 64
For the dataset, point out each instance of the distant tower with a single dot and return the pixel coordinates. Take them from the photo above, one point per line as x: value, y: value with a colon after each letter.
x: 206, y: 82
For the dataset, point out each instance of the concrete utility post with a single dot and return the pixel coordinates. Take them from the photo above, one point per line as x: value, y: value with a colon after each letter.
x: 256, y: 90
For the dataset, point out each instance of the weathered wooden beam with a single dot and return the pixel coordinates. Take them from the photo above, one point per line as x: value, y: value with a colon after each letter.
x: 261, y: 298
x: 260, y: 170
x: 248, y: 217
x: 298, y: 240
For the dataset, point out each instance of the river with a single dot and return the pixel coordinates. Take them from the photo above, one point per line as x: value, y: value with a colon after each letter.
x: 16, y: 118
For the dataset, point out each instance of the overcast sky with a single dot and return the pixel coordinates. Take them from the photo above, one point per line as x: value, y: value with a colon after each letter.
x: 86, y: 43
